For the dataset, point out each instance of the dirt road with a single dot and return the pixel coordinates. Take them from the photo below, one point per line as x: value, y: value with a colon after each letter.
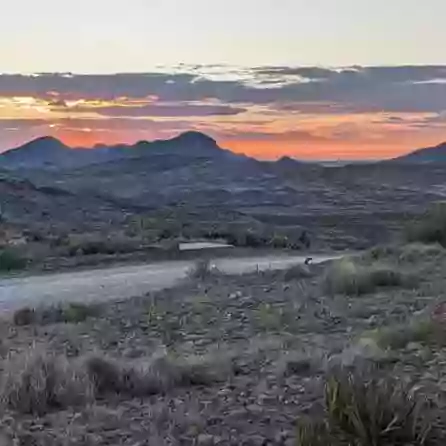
x: 124, y: 281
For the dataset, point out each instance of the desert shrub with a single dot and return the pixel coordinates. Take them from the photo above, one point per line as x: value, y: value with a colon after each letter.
x: 347, y: 277
x: 37, y: 382
x: 363, y: 410
x: 24, y: 316
x: 424, y: 331
x: 11, y: 261
x: 79, y: 312
x: 403, y: 253
x: 156, y: 376
x: 279, y: 241
x: 419, y: 251
x: 90, y: 244
x: 67, y: 313
x: 430, y: 228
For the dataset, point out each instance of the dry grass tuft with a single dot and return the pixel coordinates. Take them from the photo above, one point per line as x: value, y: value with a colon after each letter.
x: 407, y: 253
x: 363, y: 410
x: 347, y: 277
x: 37, y: 382
x: 431, y: 227
x: 424, y: 331
x: 156, y: 376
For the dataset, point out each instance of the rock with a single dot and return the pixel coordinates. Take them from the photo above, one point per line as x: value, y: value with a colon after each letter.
x: 254, y: 409
x: 236, y: 295
x: 255, y: 440
x: 207, y: 440
x: 414, y: 347
x: 372, y: 320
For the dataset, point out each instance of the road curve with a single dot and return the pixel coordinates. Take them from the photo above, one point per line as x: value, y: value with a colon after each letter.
x: 123, y: 282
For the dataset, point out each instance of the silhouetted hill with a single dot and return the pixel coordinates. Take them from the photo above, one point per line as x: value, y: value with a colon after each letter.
x: 435, y: 154
x: 50, y: 153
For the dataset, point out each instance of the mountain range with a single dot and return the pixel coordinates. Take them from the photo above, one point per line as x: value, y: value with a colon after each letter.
x: 50, y: 153
x: 44, y: 183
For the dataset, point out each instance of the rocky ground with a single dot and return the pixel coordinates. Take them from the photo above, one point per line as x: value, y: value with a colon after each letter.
x: 230, y: 360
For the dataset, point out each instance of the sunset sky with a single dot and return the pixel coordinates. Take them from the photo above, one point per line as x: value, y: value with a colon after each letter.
x: 306, y: 78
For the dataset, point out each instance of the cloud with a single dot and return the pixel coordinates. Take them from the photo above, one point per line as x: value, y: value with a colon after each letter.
x: 290, y: 135
x: 318, y: 106
x: 358, y: 89
x: 168, y: 110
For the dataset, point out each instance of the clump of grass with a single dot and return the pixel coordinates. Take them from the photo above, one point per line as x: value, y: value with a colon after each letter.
x: 71, y: 313
x: 202, y: 270
x: 11, y: 261
x: 430, y: 228
x: 37, y: 382
x: 268, y: 317
x: 363, y: 410
x: 78, y: 312
x: 156, y: 376
x: 425, y: 331
x: 410, y: 252
x: 347, y: 277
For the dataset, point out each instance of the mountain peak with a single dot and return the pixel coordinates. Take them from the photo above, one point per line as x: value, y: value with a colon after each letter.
x: 195, y: 137
x: 43, y: 143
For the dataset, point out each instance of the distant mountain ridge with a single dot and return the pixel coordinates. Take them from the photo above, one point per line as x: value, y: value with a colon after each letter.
x: 436, y: 154
x: 50, y: 153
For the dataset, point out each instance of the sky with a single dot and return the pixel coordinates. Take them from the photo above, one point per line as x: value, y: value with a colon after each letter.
x: 306, y: 78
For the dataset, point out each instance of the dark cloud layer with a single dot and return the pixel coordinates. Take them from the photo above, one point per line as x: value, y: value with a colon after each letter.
x: 354, y: 89
x: 170, y: 110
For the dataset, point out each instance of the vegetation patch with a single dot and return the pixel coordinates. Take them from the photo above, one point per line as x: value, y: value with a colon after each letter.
x: 70, y: 313
x: 347, y: 277
x: 430, y: 227
x: 424, y: 331
x: 156, y: 376
x: 11, y: 261
x: 363, y: 410
x: 37, y: 382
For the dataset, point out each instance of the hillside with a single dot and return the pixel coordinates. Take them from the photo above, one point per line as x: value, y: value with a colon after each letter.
x: 436, y: 154
x: 189, y: 187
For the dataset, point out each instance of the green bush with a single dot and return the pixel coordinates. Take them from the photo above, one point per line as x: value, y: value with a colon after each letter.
x: 73, y: 313
x: 430, y: 228
x: 11, y: 261
x: 347, y: 277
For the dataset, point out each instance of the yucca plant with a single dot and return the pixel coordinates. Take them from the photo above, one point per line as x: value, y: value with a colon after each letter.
x: 362, y: 410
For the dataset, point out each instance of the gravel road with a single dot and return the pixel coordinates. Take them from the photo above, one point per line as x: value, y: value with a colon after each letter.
x: 124, y: 281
